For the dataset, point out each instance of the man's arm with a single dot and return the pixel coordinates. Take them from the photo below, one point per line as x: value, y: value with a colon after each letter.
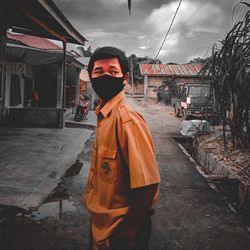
x: 141, y: 202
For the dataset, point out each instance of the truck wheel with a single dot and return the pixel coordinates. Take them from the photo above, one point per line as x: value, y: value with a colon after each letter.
x: 176, y: 112
x: 184, y: 114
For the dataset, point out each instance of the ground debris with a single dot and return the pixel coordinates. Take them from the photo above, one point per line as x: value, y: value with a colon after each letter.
x: 238, y: 160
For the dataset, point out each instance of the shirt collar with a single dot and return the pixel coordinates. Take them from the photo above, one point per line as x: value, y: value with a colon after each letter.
x: 105, y: 110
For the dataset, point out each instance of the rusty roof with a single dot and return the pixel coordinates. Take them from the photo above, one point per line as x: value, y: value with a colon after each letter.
x: 189, y: 69
x: 34, y: 41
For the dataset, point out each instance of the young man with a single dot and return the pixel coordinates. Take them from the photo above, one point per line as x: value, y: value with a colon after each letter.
x: 123, y: 180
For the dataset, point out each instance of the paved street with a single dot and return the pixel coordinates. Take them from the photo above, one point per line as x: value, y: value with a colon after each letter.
x: 90, y: 123
x: 33, y: 160
x: 189, y: 214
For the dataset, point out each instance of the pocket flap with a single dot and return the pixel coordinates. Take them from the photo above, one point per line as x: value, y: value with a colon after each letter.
x: 107, y: 152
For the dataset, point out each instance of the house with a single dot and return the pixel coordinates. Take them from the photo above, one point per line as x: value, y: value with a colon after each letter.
x: 39, y: 18
x: 33, y: 76
x: 156, y: 74
x: 33, y: 161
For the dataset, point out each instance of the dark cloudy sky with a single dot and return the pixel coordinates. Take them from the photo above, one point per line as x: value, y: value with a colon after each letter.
x: 198, y: 25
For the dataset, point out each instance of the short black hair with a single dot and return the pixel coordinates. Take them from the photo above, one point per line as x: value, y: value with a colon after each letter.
x: 108, y: 53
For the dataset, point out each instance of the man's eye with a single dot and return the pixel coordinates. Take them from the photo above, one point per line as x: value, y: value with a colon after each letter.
x: 114, y: 72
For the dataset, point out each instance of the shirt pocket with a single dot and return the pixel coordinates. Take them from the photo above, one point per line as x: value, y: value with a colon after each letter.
x: 107, y: 164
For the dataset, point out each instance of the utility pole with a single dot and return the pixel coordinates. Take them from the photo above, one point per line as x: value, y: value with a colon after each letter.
x: 3, y: 51
x: 64, y: 75
x: 132, y: 74
x: 145, y: 86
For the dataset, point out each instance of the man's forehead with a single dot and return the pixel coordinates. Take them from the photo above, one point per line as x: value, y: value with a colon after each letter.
x: 107, y: 62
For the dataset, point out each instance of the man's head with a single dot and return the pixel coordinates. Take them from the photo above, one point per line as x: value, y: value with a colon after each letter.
x: 108, y: 71
x: 109, y: 53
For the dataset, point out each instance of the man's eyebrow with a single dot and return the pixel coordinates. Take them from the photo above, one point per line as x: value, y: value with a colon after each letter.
x: 113, y: 67
x: 97, y: 68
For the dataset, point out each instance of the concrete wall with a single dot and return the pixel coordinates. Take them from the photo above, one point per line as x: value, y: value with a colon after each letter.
x: 138, y: 89
x: 198, y: 80
x: 35, y: 117
x: 156, y: 81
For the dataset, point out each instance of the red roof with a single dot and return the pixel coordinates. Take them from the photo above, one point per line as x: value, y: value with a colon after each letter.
x: 190, y: 69
x: 34, y: 41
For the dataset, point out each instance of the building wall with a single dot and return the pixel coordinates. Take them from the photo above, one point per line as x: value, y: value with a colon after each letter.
x: 32, y: 117
x: 138, y: 89
x: 182, y: 81
x: 156, y: 81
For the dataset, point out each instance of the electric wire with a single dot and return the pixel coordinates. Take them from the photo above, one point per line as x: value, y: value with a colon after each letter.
x: 188, y: 19
x: 170, y: 26
x: 68, y: 5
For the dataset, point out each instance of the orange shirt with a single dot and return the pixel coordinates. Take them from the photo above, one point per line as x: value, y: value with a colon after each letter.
x: 122, y: 159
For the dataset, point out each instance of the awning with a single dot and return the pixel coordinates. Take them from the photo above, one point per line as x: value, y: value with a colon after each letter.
x: 35, y: 57
x: 40, y: 18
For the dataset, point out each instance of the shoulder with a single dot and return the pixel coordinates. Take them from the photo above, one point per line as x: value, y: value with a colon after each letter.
x: 128, y: 114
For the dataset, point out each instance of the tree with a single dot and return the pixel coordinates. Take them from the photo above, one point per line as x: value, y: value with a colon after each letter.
x: 198, y: 60
x: 136, y: 61
x: 83, y: 52
x: 229, y: 68
x: 88, y: 52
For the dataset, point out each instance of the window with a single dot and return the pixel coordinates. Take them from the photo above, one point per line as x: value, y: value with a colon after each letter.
x: 197, y: 91
x: 15, y: 91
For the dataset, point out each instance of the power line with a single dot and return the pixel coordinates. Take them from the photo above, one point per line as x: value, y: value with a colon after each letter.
x: 170, y: 26
x: 68, y: 5
x: 192, y: 15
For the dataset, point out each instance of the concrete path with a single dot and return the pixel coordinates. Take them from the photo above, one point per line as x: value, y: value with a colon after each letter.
x: 90, y: 123
x: 32, y: 161
x: 189, y: 214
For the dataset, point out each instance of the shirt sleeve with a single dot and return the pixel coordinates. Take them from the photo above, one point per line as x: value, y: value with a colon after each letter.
x: 138, y: 152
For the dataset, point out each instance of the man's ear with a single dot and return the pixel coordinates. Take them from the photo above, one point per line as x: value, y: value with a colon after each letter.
x: 126, y: 78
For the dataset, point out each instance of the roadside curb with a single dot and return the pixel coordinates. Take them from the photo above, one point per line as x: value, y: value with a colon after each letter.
x: 215, y: 171
x: 213, y: 166
x: 71, y: 124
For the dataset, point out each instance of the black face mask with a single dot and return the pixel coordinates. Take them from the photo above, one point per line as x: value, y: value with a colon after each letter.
x: 107, y: 86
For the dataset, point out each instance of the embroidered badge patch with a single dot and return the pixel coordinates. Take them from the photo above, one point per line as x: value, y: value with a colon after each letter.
x: 106, y: 168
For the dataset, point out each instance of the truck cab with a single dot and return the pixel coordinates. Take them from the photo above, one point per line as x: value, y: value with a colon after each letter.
x: 196, y: 100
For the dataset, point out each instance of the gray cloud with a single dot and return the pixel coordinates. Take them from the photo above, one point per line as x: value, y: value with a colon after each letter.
x: 106, y: 22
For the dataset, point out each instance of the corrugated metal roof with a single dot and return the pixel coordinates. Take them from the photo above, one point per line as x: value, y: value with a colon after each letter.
x: 34, y: 41
x: 189, y: 69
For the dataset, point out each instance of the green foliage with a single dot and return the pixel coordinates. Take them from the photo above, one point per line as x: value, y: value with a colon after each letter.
x: 198, y: 60
x: 136, y: 61
x: 84, y: 52
x: 167, y: 90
